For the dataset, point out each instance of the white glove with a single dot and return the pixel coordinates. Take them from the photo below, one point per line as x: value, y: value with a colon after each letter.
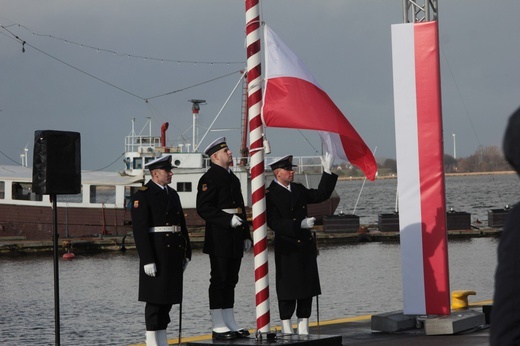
x: 247, y: 244
x: 308, y: 222
x: 150, y: 269
x: 236, y: 221
x: 326, y: 162
x: 185, y: 265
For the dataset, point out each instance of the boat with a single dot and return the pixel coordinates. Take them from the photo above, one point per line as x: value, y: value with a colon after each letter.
x: 102, y: 207
x: 98, y: 209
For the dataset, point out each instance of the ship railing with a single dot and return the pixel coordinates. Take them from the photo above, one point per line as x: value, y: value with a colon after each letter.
x: 134, y: 142
x: 305, y: 164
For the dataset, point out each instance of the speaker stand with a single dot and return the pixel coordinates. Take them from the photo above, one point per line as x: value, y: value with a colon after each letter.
x: 56, y: 271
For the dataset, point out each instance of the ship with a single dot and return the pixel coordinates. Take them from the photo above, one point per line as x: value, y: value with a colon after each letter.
x: 103, y: 205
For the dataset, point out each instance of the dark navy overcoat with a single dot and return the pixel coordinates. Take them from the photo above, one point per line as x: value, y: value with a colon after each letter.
x: 294, y: 248
x: 505, y: 314
x: 151, y: 207
x: 220, y: 189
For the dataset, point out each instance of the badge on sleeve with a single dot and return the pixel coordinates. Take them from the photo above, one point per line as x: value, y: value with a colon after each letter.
x: 204, y: 187
x: 136, y: 204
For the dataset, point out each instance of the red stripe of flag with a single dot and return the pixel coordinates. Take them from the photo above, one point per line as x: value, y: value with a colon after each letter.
x: 433, y: 210
x: 293, y: 99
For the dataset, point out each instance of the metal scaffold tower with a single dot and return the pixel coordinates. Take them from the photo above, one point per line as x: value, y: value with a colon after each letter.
x: 415, y: 12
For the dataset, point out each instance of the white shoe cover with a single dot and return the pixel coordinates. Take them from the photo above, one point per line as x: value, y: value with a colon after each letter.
x: 151, y: 338
x: 287, y: 327
x: 162, y: 339
x: 229, y: 319
x: 218, y: 324
x: 303, y: 326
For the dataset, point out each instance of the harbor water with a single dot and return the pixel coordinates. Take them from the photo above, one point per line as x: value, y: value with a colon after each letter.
x: 98, y: 293
x: 474, y: 194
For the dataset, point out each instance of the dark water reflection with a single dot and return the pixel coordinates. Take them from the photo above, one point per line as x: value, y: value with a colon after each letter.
x: 98, y: 294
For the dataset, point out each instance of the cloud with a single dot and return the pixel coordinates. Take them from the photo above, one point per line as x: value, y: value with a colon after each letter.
x: 345, y: 44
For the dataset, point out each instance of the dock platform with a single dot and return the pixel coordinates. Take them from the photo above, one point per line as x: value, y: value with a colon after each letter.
x: 360, y: 333
x: 355, y: 331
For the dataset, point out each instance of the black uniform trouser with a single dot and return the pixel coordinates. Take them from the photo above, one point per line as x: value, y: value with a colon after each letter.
x: 224, y: 277
x: 157, y: 316
x: 303, y: 308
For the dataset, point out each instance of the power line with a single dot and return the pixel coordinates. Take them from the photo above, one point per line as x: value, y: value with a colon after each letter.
x: 461, y: 98
x: 119, y: 54
x: 110, y: 164
x: 86, y: 73
x: 24, y: 43
x: 1, y: 152
x: 193, y: 86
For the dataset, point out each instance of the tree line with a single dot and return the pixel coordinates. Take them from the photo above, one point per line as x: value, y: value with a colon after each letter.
x: 485, y: 159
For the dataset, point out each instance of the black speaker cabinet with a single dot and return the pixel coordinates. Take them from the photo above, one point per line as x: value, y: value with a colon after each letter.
x: 56, y: 162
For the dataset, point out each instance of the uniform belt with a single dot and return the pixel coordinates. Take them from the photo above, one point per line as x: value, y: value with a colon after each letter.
x: 173, y: 229
x: 233, y: 210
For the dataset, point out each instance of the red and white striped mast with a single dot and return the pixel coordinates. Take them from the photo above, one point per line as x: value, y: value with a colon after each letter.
x: 254, y: 101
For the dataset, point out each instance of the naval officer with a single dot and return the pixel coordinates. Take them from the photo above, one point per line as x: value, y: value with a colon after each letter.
x: 163, y: 244
x: 221, y: 204
x: 297, y: 279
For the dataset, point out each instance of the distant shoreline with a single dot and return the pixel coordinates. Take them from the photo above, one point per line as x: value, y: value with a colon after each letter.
x: 447, y: 174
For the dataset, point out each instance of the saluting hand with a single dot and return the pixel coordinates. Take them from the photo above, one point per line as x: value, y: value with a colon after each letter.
x: 326, y: 162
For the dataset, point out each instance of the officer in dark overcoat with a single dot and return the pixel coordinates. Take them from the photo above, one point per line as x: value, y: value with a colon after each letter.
x: 163, y: 244
x: 221, y: 204
x: 297, y: 279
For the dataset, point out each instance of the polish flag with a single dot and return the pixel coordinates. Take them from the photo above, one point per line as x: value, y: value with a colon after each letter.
x: 294, y: 99
x: 420, y: 171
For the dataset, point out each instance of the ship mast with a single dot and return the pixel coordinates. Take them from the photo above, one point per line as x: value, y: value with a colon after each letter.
x: 195, y: 110
x: 414, y: 12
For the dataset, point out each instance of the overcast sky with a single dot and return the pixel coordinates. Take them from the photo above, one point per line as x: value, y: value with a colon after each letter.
x: 89, y: 66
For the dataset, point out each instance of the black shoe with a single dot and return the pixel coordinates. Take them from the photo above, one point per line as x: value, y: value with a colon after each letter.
x: 229, y: 335
x: 242, y: 333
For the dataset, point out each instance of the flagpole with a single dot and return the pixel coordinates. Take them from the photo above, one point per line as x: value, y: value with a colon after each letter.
x: 254, y: 102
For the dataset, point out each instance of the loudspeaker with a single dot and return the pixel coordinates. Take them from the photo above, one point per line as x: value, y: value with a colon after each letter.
x: 56, y: 162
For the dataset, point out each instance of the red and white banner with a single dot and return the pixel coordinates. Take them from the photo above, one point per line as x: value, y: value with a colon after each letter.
x: 420, y: 171
x: 294, y: 99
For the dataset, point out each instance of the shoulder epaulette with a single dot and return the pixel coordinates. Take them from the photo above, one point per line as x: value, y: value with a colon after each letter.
x: 143, y: 188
